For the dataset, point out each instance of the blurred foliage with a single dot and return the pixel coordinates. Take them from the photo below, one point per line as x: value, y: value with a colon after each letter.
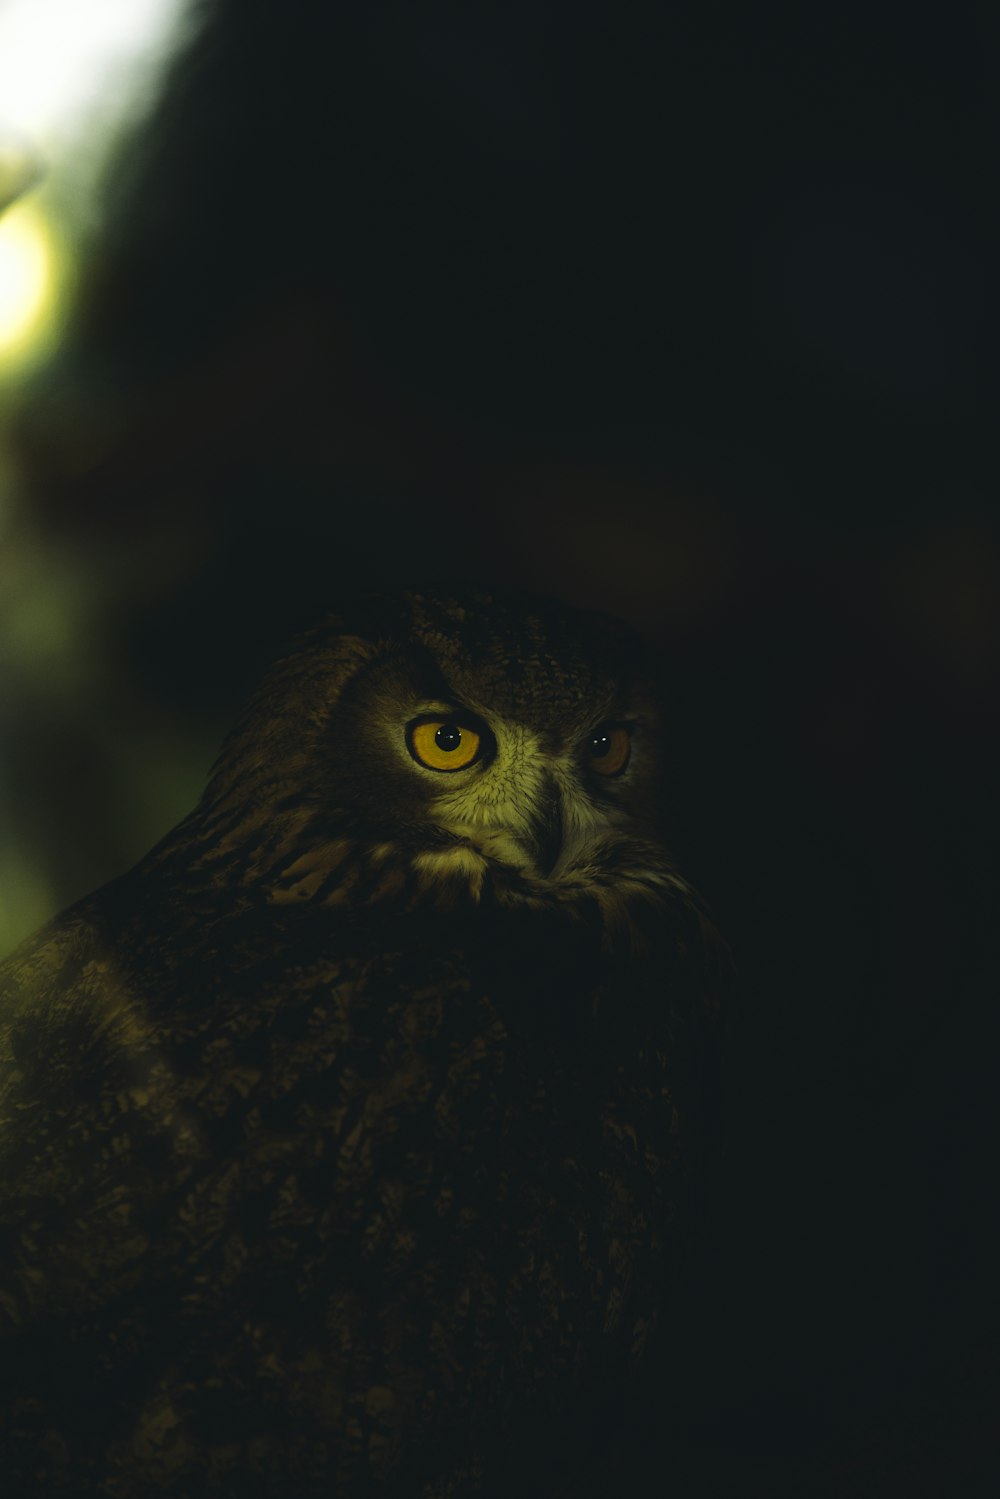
x: 71, y: 737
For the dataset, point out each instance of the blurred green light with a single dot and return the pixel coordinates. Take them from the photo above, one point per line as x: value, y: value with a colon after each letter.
x: 29, y: 275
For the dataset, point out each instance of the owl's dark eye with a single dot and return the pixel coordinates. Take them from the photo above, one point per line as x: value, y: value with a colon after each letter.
x: 608, y: 749
x: 441, y: 744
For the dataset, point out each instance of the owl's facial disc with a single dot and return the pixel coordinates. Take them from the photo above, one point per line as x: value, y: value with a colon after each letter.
x: 522, y: 802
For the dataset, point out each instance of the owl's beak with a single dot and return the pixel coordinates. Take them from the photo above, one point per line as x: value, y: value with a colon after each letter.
x: 547, y: 831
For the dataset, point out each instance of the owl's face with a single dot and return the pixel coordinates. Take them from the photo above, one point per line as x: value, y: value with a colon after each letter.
x: 488, y: 767
x: 458, y: 740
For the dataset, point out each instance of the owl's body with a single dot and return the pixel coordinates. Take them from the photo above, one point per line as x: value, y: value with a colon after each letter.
x: 341, y: 1141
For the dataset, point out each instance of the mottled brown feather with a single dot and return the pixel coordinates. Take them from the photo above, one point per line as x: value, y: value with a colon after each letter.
x: 319, y: 1176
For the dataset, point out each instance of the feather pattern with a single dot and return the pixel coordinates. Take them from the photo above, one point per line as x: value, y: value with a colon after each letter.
x: 339, y: 1155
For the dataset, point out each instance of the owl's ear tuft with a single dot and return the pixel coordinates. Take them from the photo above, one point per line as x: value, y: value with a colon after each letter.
x: 282, y: 721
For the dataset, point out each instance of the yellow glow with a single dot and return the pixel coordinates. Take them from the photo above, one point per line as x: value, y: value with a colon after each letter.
x: 27, y: 280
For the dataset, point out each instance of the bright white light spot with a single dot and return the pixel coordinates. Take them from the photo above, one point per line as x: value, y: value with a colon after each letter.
x: 27, y: 278
x: 62, y: 60
x: 73, y: 75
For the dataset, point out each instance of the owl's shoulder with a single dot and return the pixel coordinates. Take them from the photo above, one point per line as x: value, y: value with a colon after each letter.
x: 44, y: 981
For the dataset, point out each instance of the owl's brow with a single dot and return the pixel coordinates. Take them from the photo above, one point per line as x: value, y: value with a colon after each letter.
x: 445, y: 706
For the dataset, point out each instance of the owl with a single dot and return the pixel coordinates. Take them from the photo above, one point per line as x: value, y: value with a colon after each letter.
x: 345, y: 1141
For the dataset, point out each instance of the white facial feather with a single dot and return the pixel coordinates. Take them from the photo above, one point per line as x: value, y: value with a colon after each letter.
x: 496, y: 807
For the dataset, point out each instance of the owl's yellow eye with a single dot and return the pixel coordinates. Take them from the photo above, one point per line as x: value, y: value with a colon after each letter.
x: 441, y: 744
x: 608, y: 749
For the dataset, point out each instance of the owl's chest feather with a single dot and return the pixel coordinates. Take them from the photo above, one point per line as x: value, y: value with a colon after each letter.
x: 366, y: 1192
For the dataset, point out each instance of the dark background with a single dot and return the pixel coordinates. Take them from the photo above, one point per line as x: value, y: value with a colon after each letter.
x: 677, y: 311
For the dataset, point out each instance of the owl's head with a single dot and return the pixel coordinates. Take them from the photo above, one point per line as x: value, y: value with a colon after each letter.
x: 454, y: 741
